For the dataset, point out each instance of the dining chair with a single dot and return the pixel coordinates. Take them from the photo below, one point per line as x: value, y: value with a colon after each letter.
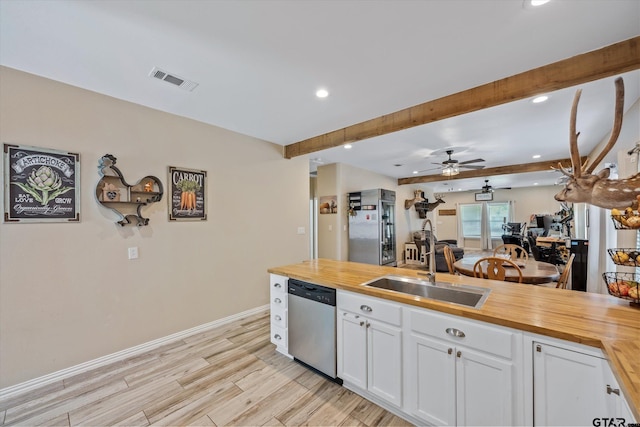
x: 514, y: 251
x: 496, y: 268
x: 564, y: 277
x: 450, y: 257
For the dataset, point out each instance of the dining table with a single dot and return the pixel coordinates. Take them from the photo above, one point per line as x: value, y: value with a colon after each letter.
x: 533, y: 272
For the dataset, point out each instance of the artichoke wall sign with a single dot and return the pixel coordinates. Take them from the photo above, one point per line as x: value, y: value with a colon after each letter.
x: 41, y: 185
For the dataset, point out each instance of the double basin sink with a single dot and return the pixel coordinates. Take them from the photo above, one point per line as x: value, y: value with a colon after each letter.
x: 468, y: 296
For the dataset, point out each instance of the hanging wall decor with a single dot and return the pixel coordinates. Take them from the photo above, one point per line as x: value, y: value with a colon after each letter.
x: 41, y: 185
x: 328, y: 205
x: 127, y: 200
x: 187, y: 194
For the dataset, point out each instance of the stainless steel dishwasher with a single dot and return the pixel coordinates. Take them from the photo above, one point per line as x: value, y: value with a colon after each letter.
x: 312, y: 326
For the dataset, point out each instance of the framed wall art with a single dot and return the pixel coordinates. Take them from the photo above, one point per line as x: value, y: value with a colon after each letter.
x: 41, y: 184
x: 328, y: 205
x: 187, y: 194
x: 484, y: 197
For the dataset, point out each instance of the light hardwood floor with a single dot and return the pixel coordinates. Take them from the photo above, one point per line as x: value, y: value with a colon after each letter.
x: 230, y: 375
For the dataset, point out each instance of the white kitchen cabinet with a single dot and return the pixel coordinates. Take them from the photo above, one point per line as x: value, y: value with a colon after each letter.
x: 461, y: 372
x: 370, y: 345
x: 279, y: 313
x: 574, y: 388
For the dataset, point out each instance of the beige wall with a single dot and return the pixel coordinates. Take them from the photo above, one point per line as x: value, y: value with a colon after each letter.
x: 341, y: 179
x: 68, y: 293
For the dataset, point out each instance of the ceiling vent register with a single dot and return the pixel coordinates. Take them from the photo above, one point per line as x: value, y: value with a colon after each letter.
x: 173, y: 79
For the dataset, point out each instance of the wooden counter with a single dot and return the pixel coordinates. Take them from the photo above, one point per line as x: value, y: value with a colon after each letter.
x: 596, y: 320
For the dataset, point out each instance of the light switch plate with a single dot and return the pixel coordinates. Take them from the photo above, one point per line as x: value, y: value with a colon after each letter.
x: 133, y: 252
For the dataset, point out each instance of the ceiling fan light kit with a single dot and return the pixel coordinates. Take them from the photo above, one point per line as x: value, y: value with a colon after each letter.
x: 450, y: 170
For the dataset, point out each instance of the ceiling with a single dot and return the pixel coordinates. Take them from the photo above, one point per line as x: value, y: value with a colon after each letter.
x: 258, y: 64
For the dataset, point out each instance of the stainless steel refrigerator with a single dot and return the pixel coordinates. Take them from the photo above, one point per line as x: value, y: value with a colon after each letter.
x: 372, y: 229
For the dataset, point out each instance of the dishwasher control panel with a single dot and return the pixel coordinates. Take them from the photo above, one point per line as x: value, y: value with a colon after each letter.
x: 313, y: 292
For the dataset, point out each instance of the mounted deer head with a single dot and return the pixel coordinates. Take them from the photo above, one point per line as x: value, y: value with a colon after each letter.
x: 583, y: 186
x: 417, y: 197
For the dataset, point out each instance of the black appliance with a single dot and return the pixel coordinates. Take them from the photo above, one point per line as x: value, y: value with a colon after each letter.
x: 580, y: 247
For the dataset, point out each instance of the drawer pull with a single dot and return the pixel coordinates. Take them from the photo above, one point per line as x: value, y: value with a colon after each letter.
x: 278, y: 318
x: 613, y: 390
x: 277, y: 336
x: 455, y: 332
x: 539, y: 349
x: 449, y: 351
x: 361, y: 323
x: 366, y: 308
x: 277, y: 285
x: 277, y: 300
x: 459, y: 353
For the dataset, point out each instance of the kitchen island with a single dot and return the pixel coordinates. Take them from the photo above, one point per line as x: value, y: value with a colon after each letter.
x: 599, y: 321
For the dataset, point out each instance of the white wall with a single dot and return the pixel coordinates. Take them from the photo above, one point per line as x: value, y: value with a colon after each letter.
x: 68, y: 293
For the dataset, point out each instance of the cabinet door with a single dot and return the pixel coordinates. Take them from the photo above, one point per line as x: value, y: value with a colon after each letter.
x: 569, y: 388
x: 352, y: 349
x: 431, y: 394
x: 384, y: 361
x: 484, y: 389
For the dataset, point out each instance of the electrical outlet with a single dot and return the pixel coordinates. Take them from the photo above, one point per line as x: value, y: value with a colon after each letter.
x: 133, y: 253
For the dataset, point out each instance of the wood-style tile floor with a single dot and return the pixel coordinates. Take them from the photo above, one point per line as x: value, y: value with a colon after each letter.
x: 230, y: 375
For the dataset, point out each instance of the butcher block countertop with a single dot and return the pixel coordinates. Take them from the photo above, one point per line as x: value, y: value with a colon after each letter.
x: 596, y: 320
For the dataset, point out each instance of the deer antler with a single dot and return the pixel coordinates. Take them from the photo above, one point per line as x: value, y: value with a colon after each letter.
x: 573, y: 139
x: 617, y: 125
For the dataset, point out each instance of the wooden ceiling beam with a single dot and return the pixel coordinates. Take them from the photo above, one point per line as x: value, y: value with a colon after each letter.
x: 501, y: 170
x: 608, y: 61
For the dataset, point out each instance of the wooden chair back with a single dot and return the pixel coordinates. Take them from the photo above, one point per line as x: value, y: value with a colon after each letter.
x: 450, y: 258
x: 495, y: 269
x: 564, y: 277
x: 514, y: 251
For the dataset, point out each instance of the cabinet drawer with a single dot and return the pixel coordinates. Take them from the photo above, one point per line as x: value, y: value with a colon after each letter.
x: 279, y: 336
x: 373, y: 308
x: 278, y: 316
x: 484, y: 337
x: 278, y: 300
x: 278, y: 284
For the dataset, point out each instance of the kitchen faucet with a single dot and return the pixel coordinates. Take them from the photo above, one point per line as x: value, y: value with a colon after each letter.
x: 432, y: 251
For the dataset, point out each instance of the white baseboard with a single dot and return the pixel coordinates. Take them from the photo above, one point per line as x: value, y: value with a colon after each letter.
x: 10, y: 391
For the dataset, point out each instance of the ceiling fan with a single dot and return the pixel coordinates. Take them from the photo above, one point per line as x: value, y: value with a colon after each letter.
x: 486, y: 188
x: 452, y: 166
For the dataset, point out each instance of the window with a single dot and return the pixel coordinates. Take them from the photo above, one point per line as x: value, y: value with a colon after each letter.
x: 484, y: 220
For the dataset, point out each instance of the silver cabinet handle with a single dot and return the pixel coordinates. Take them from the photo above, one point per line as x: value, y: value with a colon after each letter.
x: 277, y: 300
x: 459, y: 353
x: 449, y: 351
x: 539, y: 348
x: 277, y: 285
x: 368, y: 324
x: 366, y: 308
x: 361, y: 323
x: 278, y: 318
x: 613, y: 390
x: 278, y: 337
x: 455, y: 332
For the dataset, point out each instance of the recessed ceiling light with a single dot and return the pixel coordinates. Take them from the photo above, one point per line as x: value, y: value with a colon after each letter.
x: 322, y: 93
x: 536, y: 156
x: 538, y: 2
x: 539, y: 99
x: 415, y: 172
x: 535, y: 183
x: 347, y: 146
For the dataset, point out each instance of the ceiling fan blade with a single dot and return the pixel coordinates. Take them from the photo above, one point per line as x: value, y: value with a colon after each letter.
x: 466, y: 162
x: 427, y: 170
x: 471, y: 166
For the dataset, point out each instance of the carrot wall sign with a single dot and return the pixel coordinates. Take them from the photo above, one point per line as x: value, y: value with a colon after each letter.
x: 187, y: 196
